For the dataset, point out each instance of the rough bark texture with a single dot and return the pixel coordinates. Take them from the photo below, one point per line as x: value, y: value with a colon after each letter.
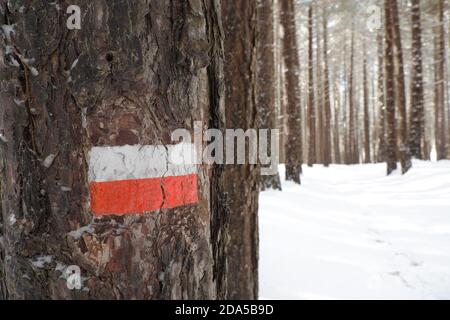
x: 279, y: 88
x: 291, y: 60
x: 220, y: 213
x: 241, y: 183
x: 326, y: 91
x: 367, y: 157
x: 336, y: 131
x: 439, y: 85
x: 353, y: 157
x: 381, y: 101
x: 136, y: 71
x: 311, y: 107
x: 391, y: 133
x: 417, y: 113
x: 265, y: 88
x: 319, y: 93
x: 403, y: 146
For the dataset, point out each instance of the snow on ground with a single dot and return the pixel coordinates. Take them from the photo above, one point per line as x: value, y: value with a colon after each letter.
x: 350, y: 232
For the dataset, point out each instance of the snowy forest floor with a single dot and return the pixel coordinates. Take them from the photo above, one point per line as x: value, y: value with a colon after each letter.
x: 350, y: 232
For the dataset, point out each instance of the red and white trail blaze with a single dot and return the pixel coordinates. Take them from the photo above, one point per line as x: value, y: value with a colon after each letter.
x: 138, y: 179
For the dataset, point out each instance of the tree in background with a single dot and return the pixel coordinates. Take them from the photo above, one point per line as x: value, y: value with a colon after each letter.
x: 311, y: 106
x: 381, y: 100
x: 400, y: 99
x: 327, y: 150
x: 352, y: 153
x: 290, y: 54
x: 265, y: 85
x: 241, y: 182
x: 391, y: 131
x: 367, y: 157
x: 440, y: 127
x: 417, y: 112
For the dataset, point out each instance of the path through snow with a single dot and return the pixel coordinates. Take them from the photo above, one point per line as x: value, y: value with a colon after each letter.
x: 350, y: 232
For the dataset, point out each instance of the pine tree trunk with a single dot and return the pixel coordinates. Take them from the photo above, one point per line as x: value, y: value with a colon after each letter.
x: 326, y: 103
x: 151, y: 67
x: 404, y: 153
x: 290, y: 53
x: 381, y: 102
x: 279, y: 84
x: 311, y: 107
x: 266, y: 79
x: 391, y: 133
x: 345, y: 112
x: 367, y: 157
x: 320, y: 112
x: 352, y: 145
x: 417, y: 113
x: 241, y: 181
x: 439, y: 85
x: 336, y: 131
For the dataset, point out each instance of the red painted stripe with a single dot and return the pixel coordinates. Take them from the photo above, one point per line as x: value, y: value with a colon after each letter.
x: 142, y: 195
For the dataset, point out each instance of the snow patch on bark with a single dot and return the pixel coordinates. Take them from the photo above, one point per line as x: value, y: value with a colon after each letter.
x: 49, y: 160
x: 74, y: 64
x: 76, y: 234
x: 8, y: 31
x: 56, y: 5
x: 19, y: 102
x: 41, y: 261
x: 3, y: 138
x: 66, y: 189
x: 12, y: 219
x: 34, y: 72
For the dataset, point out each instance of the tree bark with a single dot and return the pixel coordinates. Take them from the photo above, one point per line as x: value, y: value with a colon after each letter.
x: 241, y: 181
x: 311, y: 107
x: 279, y: 81
x: 327, y: 104
x: 136, y: 71
x: 352, y: 145
x: 266, y: 79
x: 319, y: 92
x: 337, y: 113
x: 403, y: 149
x: 367, y: 157
x: 290, y: 54
x: 381, y: 102
x: 439, y: 85
x: 391, y: 133
x: 417, y: 113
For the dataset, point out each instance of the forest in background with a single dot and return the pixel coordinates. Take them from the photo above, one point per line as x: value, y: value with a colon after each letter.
x: 373, y: 81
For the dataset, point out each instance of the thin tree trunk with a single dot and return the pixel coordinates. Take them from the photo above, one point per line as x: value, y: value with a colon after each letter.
x: 367, y: 157
x: 319, y: 101
x: 336, y: 131
x: 326, y: 103
x: 142, y: 76
x: 352, y: 146
x: 279, y: 92
x: 266, y: 79
x: 391, y: 133
x: 439, y: 85
x: 417, y: 113
x: 290, y: 53
x: 381, y: 102
x: 283, y: 118
x: 405, y: 157
x: 311, y: 107
x: 345, y: 111
x: 241, y: 181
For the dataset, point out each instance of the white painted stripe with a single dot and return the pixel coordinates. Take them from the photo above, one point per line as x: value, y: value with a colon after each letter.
x: 140, y: 162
